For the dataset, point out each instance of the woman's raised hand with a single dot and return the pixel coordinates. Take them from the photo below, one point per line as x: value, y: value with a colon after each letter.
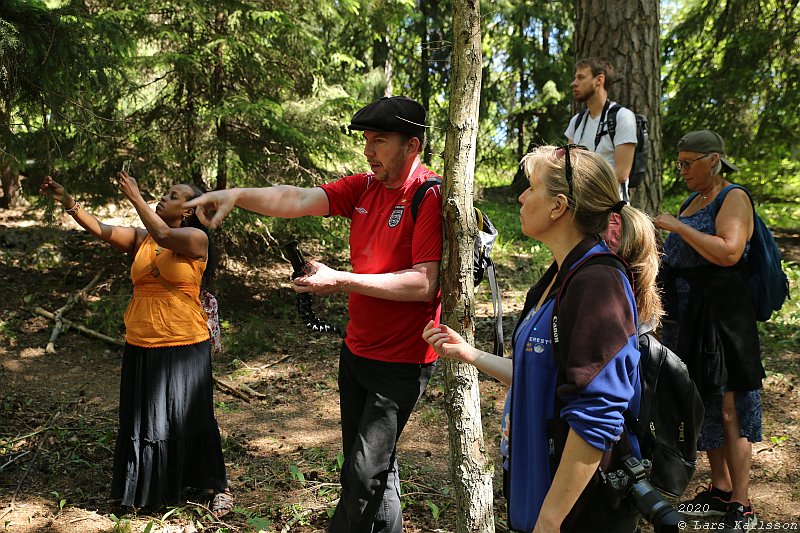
x: 50, y: 187
x: 128, y: 185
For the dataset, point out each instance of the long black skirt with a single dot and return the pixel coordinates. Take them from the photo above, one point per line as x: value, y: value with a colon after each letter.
x: 168, y: 437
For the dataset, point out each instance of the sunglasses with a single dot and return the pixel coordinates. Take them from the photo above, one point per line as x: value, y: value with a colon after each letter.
x: 567, y: 163
x: 685, y: 165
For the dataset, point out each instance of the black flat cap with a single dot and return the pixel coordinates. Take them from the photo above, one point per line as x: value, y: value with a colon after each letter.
x: 391, y: 113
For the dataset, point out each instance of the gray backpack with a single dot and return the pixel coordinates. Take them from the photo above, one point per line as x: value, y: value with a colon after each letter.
x: 483, y: 266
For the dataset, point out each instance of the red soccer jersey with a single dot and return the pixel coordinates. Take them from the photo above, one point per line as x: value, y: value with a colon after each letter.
x: 384, y: 238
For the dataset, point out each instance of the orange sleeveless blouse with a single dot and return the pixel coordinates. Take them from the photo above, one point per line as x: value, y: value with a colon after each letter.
x: 155, y: 317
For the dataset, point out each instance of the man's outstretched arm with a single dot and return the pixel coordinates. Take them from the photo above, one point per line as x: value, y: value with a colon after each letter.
x: 281, y: 201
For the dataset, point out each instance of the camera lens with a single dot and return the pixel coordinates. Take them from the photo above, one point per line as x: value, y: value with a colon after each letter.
x: 654, y: 507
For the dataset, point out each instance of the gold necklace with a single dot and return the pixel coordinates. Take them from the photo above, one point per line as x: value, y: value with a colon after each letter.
x: 706, y: 196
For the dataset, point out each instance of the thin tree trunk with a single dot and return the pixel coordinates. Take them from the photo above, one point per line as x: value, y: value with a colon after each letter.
x: 9, y: 171
x: 9, y: 178
x: 382, y: 54
x: 627, y: 33
x: 425, y: 70
x: 221, y: 29
x: 470, y: 469
x: 191, y: 132
x: 190, y: 124
x: 388, y: 74
x: 522, y: 116
x: 520, y: 182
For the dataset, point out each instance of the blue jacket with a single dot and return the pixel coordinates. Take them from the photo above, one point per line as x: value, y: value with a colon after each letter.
x: 599, y: 348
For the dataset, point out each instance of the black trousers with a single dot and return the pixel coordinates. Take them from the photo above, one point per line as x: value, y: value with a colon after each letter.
x: 376, y: 399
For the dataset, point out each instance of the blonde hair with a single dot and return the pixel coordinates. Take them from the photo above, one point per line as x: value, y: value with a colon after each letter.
x: 595, y: 192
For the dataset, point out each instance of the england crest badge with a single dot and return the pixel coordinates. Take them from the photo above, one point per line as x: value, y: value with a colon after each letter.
x: 397, y: 214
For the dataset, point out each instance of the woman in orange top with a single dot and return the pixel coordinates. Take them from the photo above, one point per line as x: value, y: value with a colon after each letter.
x: 168, y: 438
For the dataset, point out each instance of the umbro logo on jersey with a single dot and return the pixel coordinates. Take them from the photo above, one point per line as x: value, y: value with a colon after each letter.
x: 361, y: 211
x: 397, y: 214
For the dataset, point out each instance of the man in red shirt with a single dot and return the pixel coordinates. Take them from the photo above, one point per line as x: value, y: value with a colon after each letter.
x: 384, y: 364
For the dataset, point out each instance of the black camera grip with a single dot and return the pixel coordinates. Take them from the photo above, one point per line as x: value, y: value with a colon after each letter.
x: 304, y: 301
x: 296, y: 258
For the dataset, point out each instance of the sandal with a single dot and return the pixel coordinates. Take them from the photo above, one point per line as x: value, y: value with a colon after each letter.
x: 222, y: 503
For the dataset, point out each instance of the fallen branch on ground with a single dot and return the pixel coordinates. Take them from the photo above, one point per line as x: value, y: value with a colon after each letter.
x: 19, y: 455
x: 79, y: 327
x: 253, y: 393
x: 273, y: 363
x: 58, y: 315
x: 35, y: 456
x: 231, y: 389
x: 296, y: 518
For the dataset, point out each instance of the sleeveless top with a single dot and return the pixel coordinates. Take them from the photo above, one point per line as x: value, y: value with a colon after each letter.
x: 727, y: 294
x: 679, y: 254
x: 155, y: 317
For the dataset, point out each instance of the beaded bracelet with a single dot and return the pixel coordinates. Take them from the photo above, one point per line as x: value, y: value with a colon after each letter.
x: 74, y: 209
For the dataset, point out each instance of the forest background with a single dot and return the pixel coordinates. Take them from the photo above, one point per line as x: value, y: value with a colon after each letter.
x: 259, y: 92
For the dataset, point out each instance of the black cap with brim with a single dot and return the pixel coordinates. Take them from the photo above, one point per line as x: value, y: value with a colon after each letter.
x: 706, y: 142
x: 391, y: 113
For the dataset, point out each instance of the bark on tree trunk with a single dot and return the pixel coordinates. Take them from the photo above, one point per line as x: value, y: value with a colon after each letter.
x: 627, y: 33
x: 191, y: 132
x: 9, y: 177
x: 382, y: 54
x: 221, y: 28
x: 470, y: 469
x: 425, y: 71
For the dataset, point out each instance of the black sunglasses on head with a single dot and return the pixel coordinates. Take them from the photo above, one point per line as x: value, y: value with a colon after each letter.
x: 567, y: 163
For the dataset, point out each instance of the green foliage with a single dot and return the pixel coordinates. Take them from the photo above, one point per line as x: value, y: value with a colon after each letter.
x: 779, y: 334
x: 106, y: 313
x: 251, y: 334
x: 780, y: 215
x: 776, y: 176
x: 61, y: 72
x: 256, y: 93
x: 296, y: 474
x: 121, y: 525
x: 732, y: 67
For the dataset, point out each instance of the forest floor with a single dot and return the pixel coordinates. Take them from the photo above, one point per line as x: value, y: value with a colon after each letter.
x: 58, y: 412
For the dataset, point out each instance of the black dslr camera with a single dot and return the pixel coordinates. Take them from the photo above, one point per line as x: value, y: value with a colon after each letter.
x: 630, y: 480
x: 304, y: 301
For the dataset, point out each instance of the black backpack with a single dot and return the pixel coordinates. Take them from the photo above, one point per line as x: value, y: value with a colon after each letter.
x: 642, y: 150
x: 483, y: 266
x: 769, y: 286
x: 671, y: 410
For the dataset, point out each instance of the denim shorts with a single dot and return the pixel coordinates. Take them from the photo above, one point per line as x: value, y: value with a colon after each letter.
x: 748, y: 409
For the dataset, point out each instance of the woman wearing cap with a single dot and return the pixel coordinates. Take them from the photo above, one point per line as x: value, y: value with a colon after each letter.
x: 572, y: 194
x: 711, y: 323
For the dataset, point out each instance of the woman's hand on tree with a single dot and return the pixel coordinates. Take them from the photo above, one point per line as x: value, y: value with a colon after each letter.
x: 447, y: 343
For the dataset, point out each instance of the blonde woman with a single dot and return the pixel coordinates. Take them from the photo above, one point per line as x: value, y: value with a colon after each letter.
x: 562, y: 416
